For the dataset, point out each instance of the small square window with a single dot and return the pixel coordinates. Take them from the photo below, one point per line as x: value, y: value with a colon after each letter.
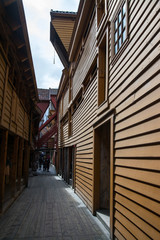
x: 124, y: 22
x: 119, y: 30
x: 124, y: 9
x: 120, y: 27
x: 124, y: 36
x: 115, y: 36
x: 116, y: 24
x: 116, y: 48
x: 119, y: 17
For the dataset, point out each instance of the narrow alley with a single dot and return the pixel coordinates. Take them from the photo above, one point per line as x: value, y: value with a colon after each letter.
x: 49, y: 209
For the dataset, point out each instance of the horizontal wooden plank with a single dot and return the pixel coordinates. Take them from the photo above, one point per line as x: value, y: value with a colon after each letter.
x: 139, y: 140
x: 146, y: 215
x: 141, y: 175
x: 137, y: 233
x: 149, y: 164
x: 85, y: 165
x: 135, y: 108
x: 85, y: 199
x: 87, y: 193
x: 119, y: 230
x: 139, y: 93
x: 86, y: 175
x: 137, y: 198
x: 84, y: 170
x: 85, y: 179
x: 137, y: 83
x: 86, y: 184
x: 146, y: 228
x: 85, y: 160
x: 137, y: 117
x: 145, y: 127
x: 145, y: 151
x: 85, y: 153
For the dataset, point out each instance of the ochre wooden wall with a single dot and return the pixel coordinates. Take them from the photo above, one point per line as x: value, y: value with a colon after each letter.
x: 134, y: 92
x: 12, y: 112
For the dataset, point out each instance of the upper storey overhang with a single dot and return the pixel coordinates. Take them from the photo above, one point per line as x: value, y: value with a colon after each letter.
x: 61, y: 29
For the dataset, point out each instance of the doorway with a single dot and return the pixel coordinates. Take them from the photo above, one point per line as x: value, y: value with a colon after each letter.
x: 103, y: 172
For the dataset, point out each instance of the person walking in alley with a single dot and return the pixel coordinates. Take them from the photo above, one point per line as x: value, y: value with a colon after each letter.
x: 47, y: 161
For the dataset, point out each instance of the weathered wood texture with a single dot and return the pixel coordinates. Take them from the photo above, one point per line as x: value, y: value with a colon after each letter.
x: 13, y: 115
x: 134, y: 83
x: 87, y: 58
x: 133, y: 94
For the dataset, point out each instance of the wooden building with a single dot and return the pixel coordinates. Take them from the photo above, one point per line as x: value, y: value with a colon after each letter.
x: 19, y: 116
x: 109, y: 112
x: 47, y: 133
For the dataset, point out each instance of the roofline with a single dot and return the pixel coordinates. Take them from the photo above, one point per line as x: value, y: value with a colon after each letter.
x: 58, y: 45
x: 82, y: 15
x: 26, y: 37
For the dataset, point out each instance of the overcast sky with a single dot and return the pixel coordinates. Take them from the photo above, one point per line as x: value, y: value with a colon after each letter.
x: 37, y: 14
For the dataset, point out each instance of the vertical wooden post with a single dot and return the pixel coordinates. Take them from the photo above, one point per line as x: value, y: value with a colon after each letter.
x: 3, y: 166
x: 96, y: 171
x: 20, y: 161
x: 111, y: 176
x: 26, y: 162
x: 14, y: 165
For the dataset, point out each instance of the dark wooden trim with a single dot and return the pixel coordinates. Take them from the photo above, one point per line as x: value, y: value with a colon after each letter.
x: 14, y: 165
x: 96, y: 168
x: 26, y: 162
x: 20, y: 161
x: 3, y: 157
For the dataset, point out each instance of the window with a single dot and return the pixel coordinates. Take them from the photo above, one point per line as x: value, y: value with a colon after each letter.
x: 120, y: 27
x: 102, y: 72
x: 69, y: 123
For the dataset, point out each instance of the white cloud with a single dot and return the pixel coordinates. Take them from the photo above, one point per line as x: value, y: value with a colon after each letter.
x: 38, y: 22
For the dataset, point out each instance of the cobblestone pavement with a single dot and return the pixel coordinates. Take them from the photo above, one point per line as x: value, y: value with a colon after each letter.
x: 49, y: 210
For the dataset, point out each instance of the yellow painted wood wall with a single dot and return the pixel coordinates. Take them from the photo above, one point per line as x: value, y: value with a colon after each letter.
x: 13, y: 115
x: 134, y: 90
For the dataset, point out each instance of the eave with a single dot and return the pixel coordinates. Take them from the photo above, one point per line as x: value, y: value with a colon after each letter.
x: 15, y: 17
x: 61, y: 28
x: 84, y: 10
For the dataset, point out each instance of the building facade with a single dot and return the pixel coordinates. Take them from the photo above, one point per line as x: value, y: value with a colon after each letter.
x: 47, y: 135
x: 19, y: 116
x: 109, y: 112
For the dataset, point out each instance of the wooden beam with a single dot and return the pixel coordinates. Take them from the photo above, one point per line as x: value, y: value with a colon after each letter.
x: 20, y: 162
x: 14, y: 165
x: 3, y: 158
x: 4, y: 94
x: 26, y: 163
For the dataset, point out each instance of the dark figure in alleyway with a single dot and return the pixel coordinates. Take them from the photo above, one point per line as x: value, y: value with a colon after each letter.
x: 40, y: 161
x: 47, y: 161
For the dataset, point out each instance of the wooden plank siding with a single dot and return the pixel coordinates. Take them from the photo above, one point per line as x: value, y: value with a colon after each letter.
x: 3, y: 66
x: 88, y: 56
x: 129, y: 114
x: 134, y: 82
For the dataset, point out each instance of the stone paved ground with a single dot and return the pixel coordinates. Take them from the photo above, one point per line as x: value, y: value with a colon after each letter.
x: 49, y: 210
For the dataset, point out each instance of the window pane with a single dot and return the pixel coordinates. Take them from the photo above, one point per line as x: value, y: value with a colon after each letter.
x: 119, y: 42
x: 115, y: 37
x: 115, y: 49
x: 124, y: 22
x: 119, y: 17
x: 115, y: 24
x: 124, y: 35
x: 119, y: 30
x: 124, y: 9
